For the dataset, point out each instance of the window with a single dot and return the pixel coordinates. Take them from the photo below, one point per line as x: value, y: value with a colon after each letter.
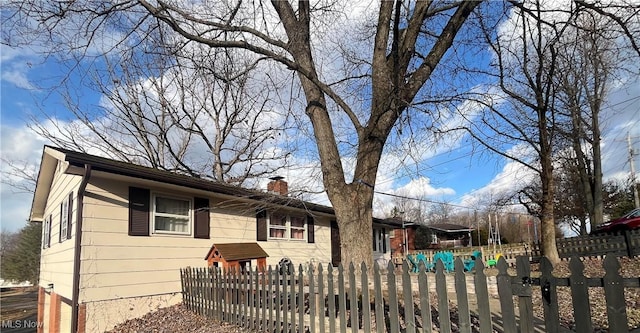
x: 64, y: 220
x: 278, y: 226
x: 171, y: 215
x: 283, y: 226
x: 162, y: 214
x: 380, y: 240
x: 297, y: 227
x: 46, y: 232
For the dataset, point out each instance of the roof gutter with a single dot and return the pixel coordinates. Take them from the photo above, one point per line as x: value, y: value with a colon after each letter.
x: 76, y: 258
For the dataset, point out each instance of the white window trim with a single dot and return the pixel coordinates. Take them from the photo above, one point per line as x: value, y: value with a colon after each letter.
x: 287, y: 229
x: 153, y: 215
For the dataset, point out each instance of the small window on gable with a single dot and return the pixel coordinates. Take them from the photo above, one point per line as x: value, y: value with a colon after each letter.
x: 46, y: 232
x: 64, y: 219
x: 284, y: 226
x: 171, y: 215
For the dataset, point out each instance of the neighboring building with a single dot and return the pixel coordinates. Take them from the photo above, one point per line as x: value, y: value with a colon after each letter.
x: 403, y: 238
x: 446, y: 235
x: 116, y: 234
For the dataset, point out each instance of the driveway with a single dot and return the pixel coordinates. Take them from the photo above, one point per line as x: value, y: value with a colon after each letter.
x: 19, y: 310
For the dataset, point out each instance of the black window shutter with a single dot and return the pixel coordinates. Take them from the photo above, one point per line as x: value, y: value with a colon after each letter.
x: 201, y: 208
x: 49, y: 231
x: 311, y: 238
x: 139, y: 202
x: 69, y: 215
x: 375, y: 241
x: 261, y: 228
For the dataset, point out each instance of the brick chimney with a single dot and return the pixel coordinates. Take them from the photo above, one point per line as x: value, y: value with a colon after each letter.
x: 278, y: 185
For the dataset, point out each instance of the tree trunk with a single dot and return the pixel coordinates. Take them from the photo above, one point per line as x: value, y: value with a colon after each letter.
x: 548, y: 225
x: 354, y: 215
x: 598, y: 206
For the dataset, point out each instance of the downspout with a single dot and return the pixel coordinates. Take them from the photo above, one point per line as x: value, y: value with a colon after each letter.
x: 76, y: 257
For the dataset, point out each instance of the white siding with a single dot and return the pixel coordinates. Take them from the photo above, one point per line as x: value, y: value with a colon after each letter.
x: 65, y: 317
x: 56, y: 262
x: 116, y: 266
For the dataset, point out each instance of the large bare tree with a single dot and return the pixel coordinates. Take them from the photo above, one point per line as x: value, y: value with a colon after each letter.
x: 521, y: 125
x: 354, y: 95
x: 588, y: 62
x: 192, y: 110
x: 408, y: 40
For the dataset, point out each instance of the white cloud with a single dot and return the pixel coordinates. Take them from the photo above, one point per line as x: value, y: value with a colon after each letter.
x: 20, y: 145
x: 16, y: 63
x: 513, y: 176
x: 17, y: 78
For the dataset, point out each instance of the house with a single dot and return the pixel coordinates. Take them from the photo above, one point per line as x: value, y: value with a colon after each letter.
x: 447, y: 235
x: 116, y: 234
x: 403, y: 237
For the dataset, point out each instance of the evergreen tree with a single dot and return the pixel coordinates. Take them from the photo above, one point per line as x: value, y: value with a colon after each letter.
x: 22, y: 263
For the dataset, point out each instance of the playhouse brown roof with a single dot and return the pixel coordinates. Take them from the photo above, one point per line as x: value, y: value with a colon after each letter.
x: 238, y: 251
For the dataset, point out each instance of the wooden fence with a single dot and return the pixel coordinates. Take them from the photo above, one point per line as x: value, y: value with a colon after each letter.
x: 335, y: 300
x: 621, y: 243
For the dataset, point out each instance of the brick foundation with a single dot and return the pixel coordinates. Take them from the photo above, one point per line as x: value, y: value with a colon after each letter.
x: 40, y: 309
x: 82, y: 317
x: 54, y: 313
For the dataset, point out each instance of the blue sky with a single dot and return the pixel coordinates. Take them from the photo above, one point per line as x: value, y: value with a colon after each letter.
x: 461, y: 174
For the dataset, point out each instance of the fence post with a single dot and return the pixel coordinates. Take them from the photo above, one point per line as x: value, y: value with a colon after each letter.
x: 301, y: 299
x: 393, y: 301
x: 366, y: 301
x: 506, y: 296
x: 353, y: 299
x: 321, y: 303
x: 313, y: 299
x: 270, y: 297
x: 409, y: 315
x: 524, y: 294
x: 425, y: 302
x: 443, y: 298
x: 462, y: 297
x: 580, y: 296
x: 482, y: 296
x: 614, y: 295
x: 549, y: 296
x: 184, y: 290
x: 331, y: 294
x: 342, y: 300
x: 379, y: 300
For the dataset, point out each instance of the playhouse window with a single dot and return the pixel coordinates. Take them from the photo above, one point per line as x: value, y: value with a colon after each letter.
x: 284, y: 226
x: 171, y: 215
